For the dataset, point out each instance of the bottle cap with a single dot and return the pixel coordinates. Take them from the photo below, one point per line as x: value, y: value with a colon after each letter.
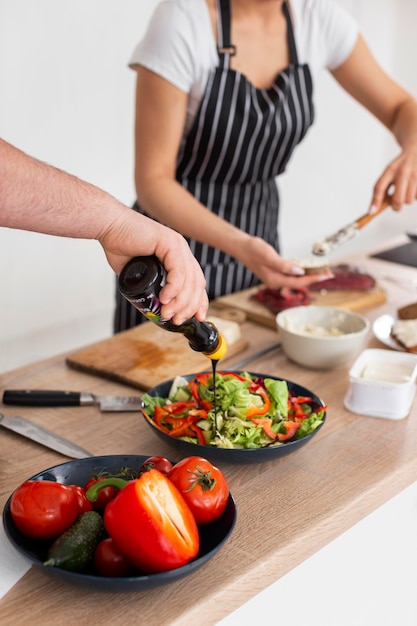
x: 219, y: 351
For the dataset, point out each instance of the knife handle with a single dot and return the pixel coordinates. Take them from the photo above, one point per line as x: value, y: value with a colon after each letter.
x: 39, y: 397
x: 365, y: 219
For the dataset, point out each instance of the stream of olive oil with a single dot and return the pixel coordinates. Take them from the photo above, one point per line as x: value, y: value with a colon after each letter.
x: 214, y: 367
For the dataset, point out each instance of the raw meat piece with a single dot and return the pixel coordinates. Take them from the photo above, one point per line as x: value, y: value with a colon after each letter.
x: 346, y: 277
x: 277, y: 300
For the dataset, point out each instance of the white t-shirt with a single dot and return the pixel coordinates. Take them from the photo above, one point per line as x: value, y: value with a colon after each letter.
x: 179, y: 45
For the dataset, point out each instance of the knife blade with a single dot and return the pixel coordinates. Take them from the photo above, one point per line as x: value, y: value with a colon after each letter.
x: 321, y: 248
x: 256, y: 355
x: 24, y: 427
x: 45, y: 397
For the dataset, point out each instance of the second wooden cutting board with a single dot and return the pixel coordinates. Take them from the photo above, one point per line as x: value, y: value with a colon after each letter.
x: 351, y: 300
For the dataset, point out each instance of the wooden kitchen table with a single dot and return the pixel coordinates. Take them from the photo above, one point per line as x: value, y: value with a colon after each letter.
x: 287, y: 509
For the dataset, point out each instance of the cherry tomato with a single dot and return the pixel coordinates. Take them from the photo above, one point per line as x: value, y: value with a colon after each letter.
x: 43, y: 509
x: 83, y: 502
x: 105, y: 495
x: 157, y: 462
x: 109, y: 561
x: 203, y: 486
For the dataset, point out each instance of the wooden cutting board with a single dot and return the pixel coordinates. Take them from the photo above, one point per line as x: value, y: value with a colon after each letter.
x: 144, y: 356
x: 351, y: 300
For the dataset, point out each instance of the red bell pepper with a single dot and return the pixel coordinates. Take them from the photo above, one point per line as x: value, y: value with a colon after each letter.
x: 179, y: 426
x: 238, y: 376
x: 301, y: 399
x: 194, y: 386
x: 198, y: 432
x: 254, y: 410
x: 177, y: 408
x: 290, y: 430
x: 202, y: 379
x: 182, y: 428
x: 169, y: 413
x: 153, y: 422
x: 295, y: 408
x: 150, y: 522
x: 159, y: 415
x: 189, y: 428
x: 266, y: 423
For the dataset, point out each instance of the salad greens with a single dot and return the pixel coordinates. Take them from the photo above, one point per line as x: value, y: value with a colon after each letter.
x: 239, y: 411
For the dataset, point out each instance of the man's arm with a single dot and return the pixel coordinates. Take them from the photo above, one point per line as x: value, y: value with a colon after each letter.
x: 38, y: 197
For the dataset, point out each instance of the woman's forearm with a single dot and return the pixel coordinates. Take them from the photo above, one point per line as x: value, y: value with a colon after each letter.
x: 168, y: 202
x: 404, y: 126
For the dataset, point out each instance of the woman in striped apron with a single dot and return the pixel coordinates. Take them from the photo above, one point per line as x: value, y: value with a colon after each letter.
x: 223, y: 165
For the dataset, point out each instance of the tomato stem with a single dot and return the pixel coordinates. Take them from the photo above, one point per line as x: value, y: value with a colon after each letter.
x: 202, y: 478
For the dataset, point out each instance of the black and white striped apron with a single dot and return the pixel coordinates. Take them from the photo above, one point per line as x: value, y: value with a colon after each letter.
x: 241, y: 139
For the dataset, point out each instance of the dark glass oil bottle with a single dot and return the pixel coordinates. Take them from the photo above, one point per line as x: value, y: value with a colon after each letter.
x: 141, y: 281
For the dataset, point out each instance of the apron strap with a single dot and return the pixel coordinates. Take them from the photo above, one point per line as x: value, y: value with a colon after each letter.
x: 224, y: 48
x: 292, y: 48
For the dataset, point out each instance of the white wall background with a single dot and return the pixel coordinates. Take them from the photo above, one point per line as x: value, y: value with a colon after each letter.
x: 67, y: 97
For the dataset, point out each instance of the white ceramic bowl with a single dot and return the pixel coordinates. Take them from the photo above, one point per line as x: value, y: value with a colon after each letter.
x: 382, y: 384
x: 321, y: 337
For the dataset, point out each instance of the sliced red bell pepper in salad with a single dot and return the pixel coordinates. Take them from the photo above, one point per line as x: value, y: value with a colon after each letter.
x: 244, y: 411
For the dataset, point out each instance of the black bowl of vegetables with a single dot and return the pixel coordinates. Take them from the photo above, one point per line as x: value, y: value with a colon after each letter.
x: 246, y: 417
x: 212, y: 536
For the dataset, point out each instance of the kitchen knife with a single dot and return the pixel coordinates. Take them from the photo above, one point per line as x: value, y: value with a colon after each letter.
x: 322, y: 248
x: 256, y: 355
x: 40, y: 397
x: 43, y: 436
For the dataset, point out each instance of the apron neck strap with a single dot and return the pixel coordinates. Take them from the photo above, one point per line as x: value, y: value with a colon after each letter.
x: 292, y: 48
x: 226, y: 49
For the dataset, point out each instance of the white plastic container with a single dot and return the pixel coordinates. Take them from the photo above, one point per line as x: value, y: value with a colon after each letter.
x: 382, y: 384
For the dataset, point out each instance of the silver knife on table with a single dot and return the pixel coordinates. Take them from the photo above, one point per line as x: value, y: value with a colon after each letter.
x: 239, y: 365
x: 47, y: 397
x: 24, y: 427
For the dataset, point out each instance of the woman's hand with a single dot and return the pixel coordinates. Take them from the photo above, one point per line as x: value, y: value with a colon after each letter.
x: 365, y: 80
x: 401, y: 176
x: 272, y: 270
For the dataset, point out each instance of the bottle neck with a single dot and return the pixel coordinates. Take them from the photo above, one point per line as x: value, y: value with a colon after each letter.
x: 219, y: 351
x: 202, y: 336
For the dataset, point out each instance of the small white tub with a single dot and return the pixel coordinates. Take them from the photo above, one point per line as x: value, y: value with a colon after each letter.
x: 382, y: 384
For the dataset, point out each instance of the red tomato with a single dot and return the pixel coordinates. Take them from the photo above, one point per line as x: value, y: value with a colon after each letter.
x: 83, y: 502
x: 109, y: 561
x: 43, y: 509
x: 157, y: 462
x: 105, y: 495
x: 203, y: 486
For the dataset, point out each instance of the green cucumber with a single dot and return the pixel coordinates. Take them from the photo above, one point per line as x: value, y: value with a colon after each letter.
x: 74, y: 549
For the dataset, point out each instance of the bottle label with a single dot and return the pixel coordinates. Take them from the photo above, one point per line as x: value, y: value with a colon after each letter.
x: 149, y: 305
